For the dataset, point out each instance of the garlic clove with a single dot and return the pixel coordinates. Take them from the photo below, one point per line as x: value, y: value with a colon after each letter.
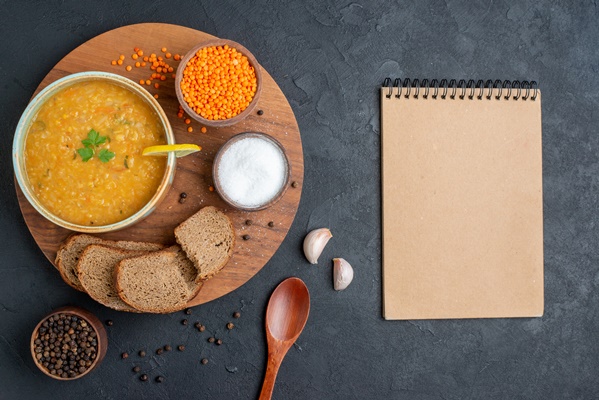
x: 343, y: 273
x: 315, y: 242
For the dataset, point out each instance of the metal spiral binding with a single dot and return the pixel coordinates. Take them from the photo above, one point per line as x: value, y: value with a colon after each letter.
x: 462, y: 89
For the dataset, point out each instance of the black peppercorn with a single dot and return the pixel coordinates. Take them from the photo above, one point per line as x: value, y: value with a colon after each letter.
x: 159, y: 379
x: 246, y: 237
x: 184, y: 322
x: 260, y: 112
x: 202, y: 328
x: 271, y: 224
x: 182, y: 200
x: 248, y: 222
x: 204, y: 361
x: 159, y: 351
x: 142, y: 353
x: 180, y: 347
x: 219, y: 342
x: 167, y: 347
x: 124, y: 355
x: 236, y: 314
x: 188, y: 311
x: 230, y: 326
x: 136, y: 369
x: 109, y: 322
x: 294, y: 184
x: 143, y: 378
x: 211, y: 340
x: 183, y: 195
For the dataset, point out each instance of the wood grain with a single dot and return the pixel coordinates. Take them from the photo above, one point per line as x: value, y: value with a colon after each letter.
x: 194, y: 173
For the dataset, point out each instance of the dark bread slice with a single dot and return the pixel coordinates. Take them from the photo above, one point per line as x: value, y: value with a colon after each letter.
x: 158, y: 282
x: 70, y: 251
x: 208, y: 238
x: 96, y: 273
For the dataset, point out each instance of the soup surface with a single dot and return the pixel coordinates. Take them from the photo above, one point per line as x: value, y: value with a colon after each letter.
x: 83, y: 153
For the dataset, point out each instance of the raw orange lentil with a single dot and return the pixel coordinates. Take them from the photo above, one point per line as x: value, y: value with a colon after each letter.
x: 163, y: 49
x: 137, y: 64
x: 168, y: 55
x: 163, y: 78
x: 145, y: 58
x: 136, y: 49
x: 119, y: 62
x: 113, y: 62
x: 143, y: 64
x: 177, y: 57
x: 134, y: 56
x: 121, y: 57
x: 156, y: 85
x: 173, y: 75
x: 156, y: 95
x: 203, y: 130
x: 148, y: 82
x: 140, y: 53
x: 218, y: 82
x: 189, y: 129
x: 187, y: 121
x: 211, y: 188
x: 128, y: 68
x: 141, y: 81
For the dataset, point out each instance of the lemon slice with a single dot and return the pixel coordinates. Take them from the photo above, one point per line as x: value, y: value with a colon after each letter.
x: 180, y: 150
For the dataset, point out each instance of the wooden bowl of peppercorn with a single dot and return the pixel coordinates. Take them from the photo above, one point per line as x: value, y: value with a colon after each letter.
x: 68, y: 343
x: 212, y: 85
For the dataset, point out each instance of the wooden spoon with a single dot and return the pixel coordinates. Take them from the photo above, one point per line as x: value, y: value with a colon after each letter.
x: 286, y: 316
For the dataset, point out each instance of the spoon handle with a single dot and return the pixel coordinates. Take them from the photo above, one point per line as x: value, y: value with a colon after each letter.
x: 272, y: 368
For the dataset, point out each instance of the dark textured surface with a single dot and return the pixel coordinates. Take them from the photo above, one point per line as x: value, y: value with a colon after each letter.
x: 329, y: 59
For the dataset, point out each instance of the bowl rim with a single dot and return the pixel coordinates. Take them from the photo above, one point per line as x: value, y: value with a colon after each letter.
x: 225, y: 147
x: 179, y: 76
x: 32, y: 109
x: 94, y: 322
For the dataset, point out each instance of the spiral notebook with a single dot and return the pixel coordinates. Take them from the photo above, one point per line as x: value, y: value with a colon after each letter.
x: 461, y: 199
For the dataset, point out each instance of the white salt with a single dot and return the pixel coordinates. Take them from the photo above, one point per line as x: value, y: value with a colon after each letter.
x: 252, y: 171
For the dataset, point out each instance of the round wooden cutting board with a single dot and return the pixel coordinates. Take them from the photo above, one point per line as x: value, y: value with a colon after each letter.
x: 194, y: 172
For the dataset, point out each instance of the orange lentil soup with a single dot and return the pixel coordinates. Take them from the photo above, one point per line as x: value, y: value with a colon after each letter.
x: 106, y: 188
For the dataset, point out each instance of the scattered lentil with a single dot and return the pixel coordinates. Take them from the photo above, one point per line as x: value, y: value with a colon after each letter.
x: 189, y: 129
x: 203, y: 130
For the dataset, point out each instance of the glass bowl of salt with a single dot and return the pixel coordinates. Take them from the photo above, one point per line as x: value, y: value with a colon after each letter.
x: 251, y: 171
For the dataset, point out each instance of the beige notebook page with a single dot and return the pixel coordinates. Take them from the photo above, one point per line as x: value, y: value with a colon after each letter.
x: 462, y: 208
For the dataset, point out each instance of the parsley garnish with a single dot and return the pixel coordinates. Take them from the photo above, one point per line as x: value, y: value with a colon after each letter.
x: 92, y: 141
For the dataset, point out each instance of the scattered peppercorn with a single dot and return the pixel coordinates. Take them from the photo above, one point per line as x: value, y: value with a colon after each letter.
x: 188, y: 311
x: 180, y: 347
x: 260, y: 112
x: 183, y: 195
x: 230, y: 326
x: 204, y: 361
x: 211, y: 340
x: 202, y: 328
x: 167, y: 347
x: 124, y: 355
x: 182, y: 200
x: 197, y: 325
x: 109, y: 322
x: 142, y: 353
x: 246, y: 237
x: 184, y: 322
x: 236, y: 314
x: 219, y: 342
x: 143, y: 378
x: 159, y: 379
x: 294, y: 184
x: 248, y: 222
x: 271, y: 224
x: 136, y: 369
x: 159, y: 351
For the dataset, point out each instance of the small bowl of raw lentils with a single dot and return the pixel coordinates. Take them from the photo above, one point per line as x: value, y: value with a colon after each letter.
x: 68, y: 343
